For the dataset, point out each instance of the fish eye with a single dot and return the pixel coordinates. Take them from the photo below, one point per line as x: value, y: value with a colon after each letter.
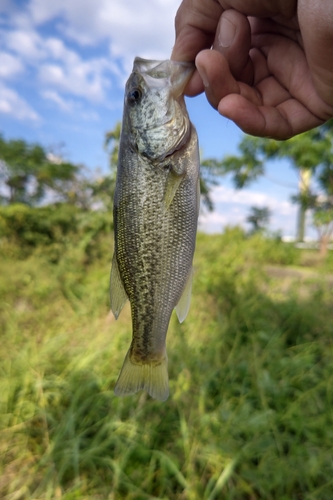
x: 134, y: 96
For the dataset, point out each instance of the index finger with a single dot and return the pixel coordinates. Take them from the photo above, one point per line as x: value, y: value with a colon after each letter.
x: 195, y: 23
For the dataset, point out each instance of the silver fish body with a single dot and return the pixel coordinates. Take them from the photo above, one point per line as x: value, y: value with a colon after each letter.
x: 155, y: 218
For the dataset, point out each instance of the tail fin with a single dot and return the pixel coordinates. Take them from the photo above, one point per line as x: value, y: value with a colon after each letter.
x: 151, y: 377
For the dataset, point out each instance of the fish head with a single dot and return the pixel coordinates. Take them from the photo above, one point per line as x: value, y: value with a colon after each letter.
x: 155, y: 116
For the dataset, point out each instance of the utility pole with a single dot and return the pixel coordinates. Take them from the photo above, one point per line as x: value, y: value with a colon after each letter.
x: 304, y: 189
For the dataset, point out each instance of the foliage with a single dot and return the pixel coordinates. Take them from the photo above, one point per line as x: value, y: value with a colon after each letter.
x: 248, y: 166
x: 50, y: 229
x: 112, y: 138
x: 311, y: 154
x: 259, y: 218
x: 209, y: 171
x: 323, y: 221
x: 27, y: 171
x: 251, y: 370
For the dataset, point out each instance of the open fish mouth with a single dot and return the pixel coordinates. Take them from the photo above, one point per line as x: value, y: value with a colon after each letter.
x: 155, y: 73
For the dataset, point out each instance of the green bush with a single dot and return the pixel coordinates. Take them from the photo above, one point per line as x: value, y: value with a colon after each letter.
x: 27, y: 226
x: 51, y: 230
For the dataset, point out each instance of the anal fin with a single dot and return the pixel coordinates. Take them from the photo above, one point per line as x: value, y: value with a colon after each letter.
x: 118, y: 296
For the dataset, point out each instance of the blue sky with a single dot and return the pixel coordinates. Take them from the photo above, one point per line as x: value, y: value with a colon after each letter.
x: 63, y: 66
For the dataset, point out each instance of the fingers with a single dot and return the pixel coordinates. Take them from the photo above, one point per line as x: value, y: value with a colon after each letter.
x: 291, y: 73
x: 283, y: 102
x: 315, y: 19
x: 233, y: 40
x: 195, y: 24
x: 217, y: 79
x: 263, y: 8
x: 281, y: 122
x: 267, y: 75
x: 229, y: 60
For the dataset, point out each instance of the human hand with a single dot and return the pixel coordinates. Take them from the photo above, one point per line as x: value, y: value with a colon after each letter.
x: 270, y: 69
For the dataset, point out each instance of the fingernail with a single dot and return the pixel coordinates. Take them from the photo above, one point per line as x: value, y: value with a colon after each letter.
x: 203, y: 75
x: 227, y: 32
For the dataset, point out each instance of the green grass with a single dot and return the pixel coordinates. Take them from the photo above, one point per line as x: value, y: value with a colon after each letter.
x: 251, y: 382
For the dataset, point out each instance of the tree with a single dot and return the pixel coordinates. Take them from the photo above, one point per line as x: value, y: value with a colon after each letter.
x: 310, y: 154
x: 323, y: 208
x: 106, y: 187
x: 209, y: 171
x: 259, y: 218
x: 323, y: 221
x: 27, y: 171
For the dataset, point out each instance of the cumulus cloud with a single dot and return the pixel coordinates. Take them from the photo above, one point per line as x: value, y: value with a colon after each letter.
x: 64, y: 105
x: 69, y: 105
x: 83, y: 79
x: 62, y: 68
x: 222, y: 194
x: 232, y: 208
x: 25, y: 42
x: 12, y: 104
x: 56, y: 66
x: 10, y: 65
x: 89, y: 22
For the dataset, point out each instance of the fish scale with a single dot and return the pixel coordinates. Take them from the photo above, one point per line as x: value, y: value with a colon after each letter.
x: 155, y: 219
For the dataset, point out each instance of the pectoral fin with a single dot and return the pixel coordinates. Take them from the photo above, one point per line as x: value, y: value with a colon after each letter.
x: 118, y: 296
x: 183, y: 305
x: 172, y: 185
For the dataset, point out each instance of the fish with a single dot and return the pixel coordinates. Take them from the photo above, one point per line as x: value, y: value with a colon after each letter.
x: 155, y: 213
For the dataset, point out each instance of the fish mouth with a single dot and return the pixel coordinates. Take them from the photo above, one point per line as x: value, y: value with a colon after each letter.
x: 155, y: 72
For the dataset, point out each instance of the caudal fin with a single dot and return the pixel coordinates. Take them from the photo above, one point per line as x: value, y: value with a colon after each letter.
x: 151, y: 377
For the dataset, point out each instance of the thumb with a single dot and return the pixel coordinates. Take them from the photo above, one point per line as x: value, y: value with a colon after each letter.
x: 233, y: 41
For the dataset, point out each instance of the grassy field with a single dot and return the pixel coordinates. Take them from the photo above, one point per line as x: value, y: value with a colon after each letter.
x: 250, y: 412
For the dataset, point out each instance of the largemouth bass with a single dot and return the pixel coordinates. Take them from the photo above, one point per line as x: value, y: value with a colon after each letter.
x: 155, y: 212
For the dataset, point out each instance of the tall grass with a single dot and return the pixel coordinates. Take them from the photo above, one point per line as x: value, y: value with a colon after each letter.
x: 251, y: 372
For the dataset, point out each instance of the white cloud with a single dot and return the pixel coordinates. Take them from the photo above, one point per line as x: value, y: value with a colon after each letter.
x: 25, y: 42
x: 53, y: 96
x: 58, y: 67
x: 12, y: 104
x: 145, y: 29
x: 10, y: 65
x: 68, y: 105
x: 85, y: 78
x: 232, y: 207
x: 222, y: 194
x: 128, y: 29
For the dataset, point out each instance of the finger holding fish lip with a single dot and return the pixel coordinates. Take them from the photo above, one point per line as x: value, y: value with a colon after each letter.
x: 228, y: 61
